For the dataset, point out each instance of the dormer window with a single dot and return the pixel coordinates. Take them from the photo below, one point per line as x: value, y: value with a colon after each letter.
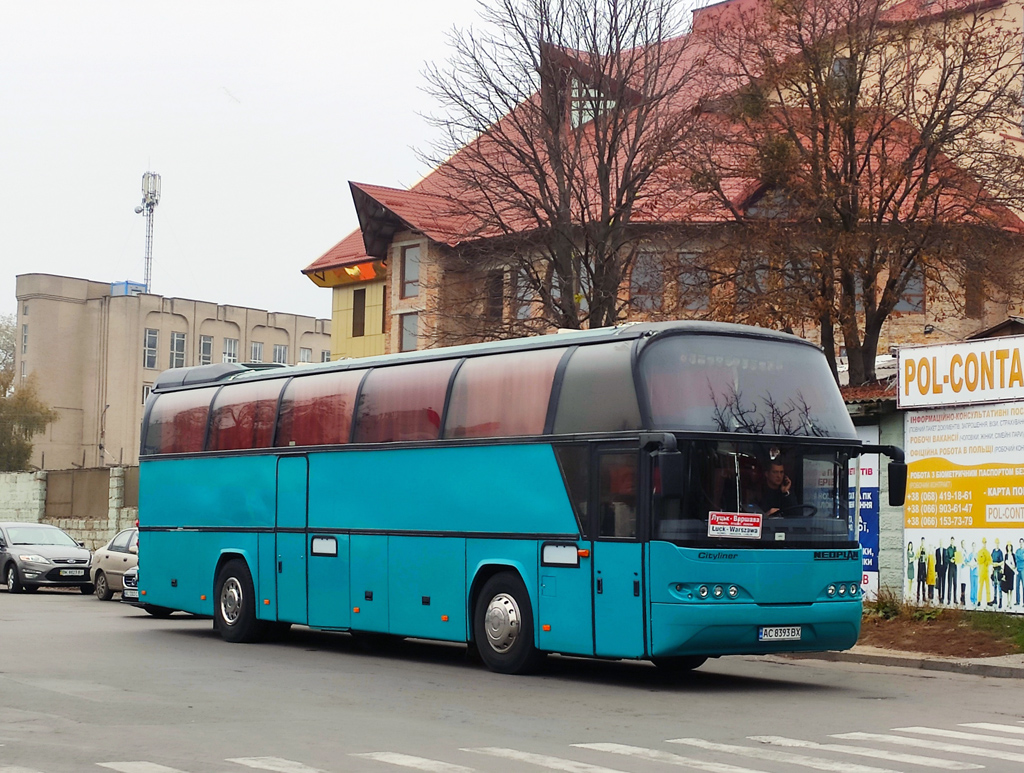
x: 587, y: 103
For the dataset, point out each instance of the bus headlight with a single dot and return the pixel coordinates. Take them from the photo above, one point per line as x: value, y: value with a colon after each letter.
x: 719, y: 591
x: 733, y: 591
x: 832, y: 590
x: 842, y: 590
x: 853, y: 589
x: 702, y: 591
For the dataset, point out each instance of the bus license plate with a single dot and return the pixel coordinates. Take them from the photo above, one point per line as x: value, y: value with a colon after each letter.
x: 72, y: 572
x: 779, y: 633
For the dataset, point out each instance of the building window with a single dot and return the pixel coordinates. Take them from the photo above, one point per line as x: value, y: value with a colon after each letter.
x: 410, y: 331
x: 325, y: 355
x: 974, y: 296
x: 912, y: 299
x: 359, y: 312
x: 177, y: 350
x: 281, y: 354
x: 24, y: 373
x: 494, y: 295
x: 587, y: 104
x: 24, y: 339
x: 256, y: 351
x: 230, y: 350
x: 146, y: 389
x: 205, y: 350
x: 149, y: 347
x: 305, y: 355
x: 646, y: 285
x: 410, y: 271
x: 24, y: 310
x: 694, y: 283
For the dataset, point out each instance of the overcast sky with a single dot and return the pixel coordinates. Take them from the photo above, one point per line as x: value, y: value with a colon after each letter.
x: 255, y: 114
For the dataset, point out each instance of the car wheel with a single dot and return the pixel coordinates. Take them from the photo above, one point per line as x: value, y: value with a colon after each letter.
x: 103, y: 592
x: 503, y: 626
x: 29, y: 588
x: 234, y: 604
x: 158, y: 611
x: 13, y: 583
x: 87, y: 589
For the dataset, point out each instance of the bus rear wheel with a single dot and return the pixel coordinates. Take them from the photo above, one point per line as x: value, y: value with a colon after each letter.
x: 503, y: 626
x: 234, y: 604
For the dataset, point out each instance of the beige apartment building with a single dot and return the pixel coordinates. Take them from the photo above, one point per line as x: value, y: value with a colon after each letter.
x: 97, y: 347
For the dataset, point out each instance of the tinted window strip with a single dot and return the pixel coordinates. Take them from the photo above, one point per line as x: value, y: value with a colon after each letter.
x: 556, y: 390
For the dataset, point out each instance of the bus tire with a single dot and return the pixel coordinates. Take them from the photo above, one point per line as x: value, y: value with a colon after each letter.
x: 234, y: 604
x: 503, y: 626
x: 680, y: 665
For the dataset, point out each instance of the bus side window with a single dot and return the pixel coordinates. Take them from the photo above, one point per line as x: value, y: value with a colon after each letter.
x: 574, y: 462
x: 617, y: 505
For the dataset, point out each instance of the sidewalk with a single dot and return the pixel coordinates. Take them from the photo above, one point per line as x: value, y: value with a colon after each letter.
x: 1005, y: 666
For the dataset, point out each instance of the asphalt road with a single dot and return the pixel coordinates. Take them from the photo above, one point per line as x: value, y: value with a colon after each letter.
x: 85, y: 683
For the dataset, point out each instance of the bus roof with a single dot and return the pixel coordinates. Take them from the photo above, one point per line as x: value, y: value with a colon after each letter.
x: 200, y: 375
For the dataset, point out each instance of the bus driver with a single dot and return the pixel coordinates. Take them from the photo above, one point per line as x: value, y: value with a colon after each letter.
x: 775, y: 496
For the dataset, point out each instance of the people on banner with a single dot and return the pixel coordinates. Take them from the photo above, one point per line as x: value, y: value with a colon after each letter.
x: 971, y: 578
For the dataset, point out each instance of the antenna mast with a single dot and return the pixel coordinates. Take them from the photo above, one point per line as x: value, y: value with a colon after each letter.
x: 150, y: 198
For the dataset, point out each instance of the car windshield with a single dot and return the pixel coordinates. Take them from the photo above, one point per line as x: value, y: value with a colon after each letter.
x: 761, y: 495
x: 40, y: 535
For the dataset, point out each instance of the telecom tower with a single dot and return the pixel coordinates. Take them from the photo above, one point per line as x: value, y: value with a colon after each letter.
x: 150, y: 198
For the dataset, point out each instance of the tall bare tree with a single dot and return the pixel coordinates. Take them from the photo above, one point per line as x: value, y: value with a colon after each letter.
x: 557, y: 117
x: 875, y: 141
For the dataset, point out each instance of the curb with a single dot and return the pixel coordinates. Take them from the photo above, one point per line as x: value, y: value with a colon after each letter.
x: 915, y: 661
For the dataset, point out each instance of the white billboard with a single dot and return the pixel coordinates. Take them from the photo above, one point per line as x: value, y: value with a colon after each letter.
x: 964, y: 373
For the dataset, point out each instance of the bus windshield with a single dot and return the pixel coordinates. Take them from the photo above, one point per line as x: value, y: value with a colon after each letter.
x: 760, y: 495
x: 743, y: 385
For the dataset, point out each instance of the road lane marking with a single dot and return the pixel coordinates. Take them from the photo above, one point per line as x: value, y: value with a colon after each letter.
x: 138, y: 767
x: 993, y: 726
x: 416, y: 763
x: 935, y: 746
x: 542, y: 760
x: 274, y: 763
x: 15, y: 768
x: 818, y: 763
x: 656, y: 755
x: 960, y: 736
x: 881, y: 754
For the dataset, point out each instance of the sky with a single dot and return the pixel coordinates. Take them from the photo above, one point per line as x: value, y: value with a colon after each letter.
x: 255, y: 115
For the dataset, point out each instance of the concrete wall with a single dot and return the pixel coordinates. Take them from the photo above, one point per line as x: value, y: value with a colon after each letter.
x: 23, y: 498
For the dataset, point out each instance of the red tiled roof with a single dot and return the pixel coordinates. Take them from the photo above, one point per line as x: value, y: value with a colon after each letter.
x: 348, y: 252
x: 870, y: 393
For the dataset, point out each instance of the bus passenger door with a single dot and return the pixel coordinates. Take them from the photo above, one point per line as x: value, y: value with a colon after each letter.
x: 292, y: 474
x: 618, y: 556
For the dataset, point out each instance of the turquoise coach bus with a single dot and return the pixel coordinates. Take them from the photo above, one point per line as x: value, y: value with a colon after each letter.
x: 670, y: 491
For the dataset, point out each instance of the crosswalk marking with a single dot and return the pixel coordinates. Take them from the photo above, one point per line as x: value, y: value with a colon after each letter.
x: 543, y: 760
x: 274, y: 763
x: 140, y: 766
x: 993, y: 726
x: 881, y: 754
x: 960, y: 735
x: 656, y: 755
x: 416, y: 763
x: 937, y: 746
x: 818, y: 763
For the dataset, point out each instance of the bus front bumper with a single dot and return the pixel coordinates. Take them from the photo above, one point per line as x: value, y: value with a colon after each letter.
x: 740, y: 629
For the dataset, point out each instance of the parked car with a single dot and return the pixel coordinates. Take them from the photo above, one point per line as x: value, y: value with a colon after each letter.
x: 130, y: 595
x: 37, y: 555
x: 110, y: 562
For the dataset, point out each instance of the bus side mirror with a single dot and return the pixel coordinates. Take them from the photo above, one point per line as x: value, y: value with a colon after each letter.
x: 671, y: 471
x: 897, y: 483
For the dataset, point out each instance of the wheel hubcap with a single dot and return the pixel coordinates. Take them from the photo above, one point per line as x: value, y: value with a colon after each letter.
x: 10, y: 579
x: 502, y: 622
x: 231, y: 600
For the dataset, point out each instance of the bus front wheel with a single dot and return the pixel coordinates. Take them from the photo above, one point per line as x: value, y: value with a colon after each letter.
x: 680, y: 665
x: 503, y: 626
x: 234, y: 607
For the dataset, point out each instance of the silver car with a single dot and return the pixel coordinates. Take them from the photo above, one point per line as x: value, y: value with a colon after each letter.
x: 110, y: 562
x: 37, y: 555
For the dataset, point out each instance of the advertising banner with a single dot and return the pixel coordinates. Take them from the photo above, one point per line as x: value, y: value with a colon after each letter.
x: 963, y: 373
x: 869, y: 482
x: 964, y: 513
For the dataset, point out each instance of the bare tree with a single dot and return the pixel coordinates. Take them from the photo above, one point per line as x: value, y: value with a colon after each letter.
x: 557, y: 118
x: 875, y: 144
